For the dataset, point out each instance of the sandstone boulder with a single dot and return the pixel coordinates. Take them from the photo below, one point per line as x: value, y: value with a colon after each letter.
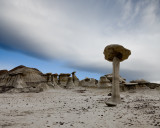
x: 116, y: 50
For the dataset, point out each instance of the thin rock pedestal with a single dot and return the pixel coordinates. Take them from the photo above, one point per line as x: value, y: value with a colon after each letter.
x: 115, y: 53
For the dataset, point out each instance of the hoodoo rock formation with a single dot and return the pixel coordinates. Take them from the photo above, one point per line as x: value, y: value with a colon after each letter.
x: 63, y: 79
x: 116, y: 54
x: 75, y: 79
x: 70, y: 83
x: 50, y: 80
x: 55, y: 77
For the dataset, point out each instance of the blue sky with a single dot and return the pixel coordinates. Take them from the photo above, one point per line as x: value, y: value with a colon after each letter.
x: 67, y: 35
x: 11, y: 59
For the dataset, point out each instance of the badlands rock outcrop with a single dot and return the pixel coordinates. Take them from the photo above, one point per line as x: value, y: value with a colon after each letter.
x: 23, y: 79
x: 70, y: 83
x: 104, y: 82
x: 55, y: 76
x: 88, y: 82
x: 121, y: 80
x: 63, y: 79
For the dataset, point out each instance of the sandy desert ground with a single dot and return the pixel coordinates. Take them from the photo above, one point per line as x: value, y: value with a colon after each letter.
x: 79, y: 108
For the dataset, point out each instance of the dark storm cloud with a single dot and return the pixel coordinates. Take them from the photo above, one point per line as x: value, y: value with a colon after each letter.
x: 9, y: 40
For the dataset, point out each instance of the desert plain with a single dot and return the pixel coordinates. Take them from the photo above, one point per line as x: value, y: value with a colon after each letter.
x: 80, y: 107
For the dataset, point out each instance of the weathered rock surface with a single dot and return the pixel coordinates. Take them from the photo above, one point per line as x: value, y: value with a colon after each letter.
x: 88, y: 82
x: 22, y: 78
x: 50, y: 79
x: 121, y: 80
x: 116, y: 50
x: 3, y: 72
x: 104, y: 82
x: 153, y: 85
x: 70, y: 83
x: 130, y: 86
x: 141, y: 81
x: 75, y: 79
x: 63, y: 79
x: 145, y: 84
x: 55, y: 76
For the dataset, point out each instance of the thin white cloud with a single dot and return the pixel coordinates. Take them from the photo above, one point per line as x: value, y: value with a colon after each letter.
x: 78, y: 31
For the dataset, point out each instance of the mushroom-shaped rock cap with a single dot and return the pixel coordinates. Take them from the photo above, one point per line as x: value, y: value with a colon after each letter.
x: 115, y: 50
